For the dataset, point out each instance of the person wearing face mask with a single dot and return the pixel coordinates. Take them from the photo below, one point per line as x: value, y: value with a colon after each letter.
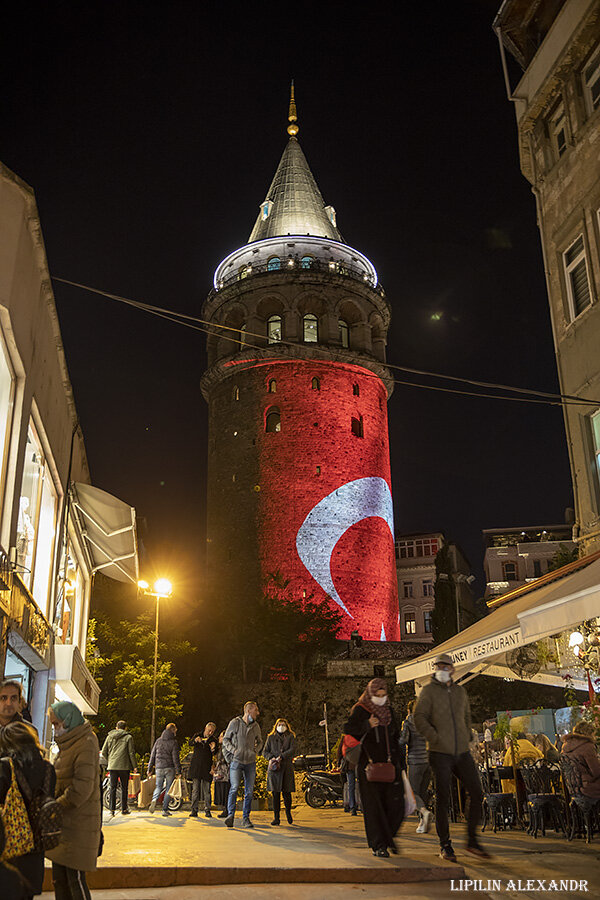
x: 78, y: 792
x: 372, y: 721
x: 241, y: 743
x: 279, y: 749
x: 443, y: 716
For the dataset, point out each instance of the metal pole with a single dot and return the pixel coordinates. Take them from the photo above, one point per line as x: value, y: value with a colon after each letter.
x: 326, y: 736
x: 152, y: 727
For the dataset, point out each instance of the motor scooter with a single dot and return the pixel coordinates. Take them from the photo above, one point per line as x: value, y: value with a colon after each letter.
x: 319, y: 785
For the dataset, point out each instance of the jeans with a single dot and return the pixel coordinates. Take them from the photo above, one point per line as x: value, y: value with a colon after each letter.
x: 200, y: 794
x: 164, y: 778
x: 69, y: 884
x: 351, y: 776
x: 236, y: 770
x: 444, y: 766
x: 419, y: 776
x: 116, y: 776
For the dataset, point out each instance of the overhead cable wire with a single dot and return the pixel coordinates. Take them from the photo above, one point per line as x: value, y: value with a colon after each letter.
x: 212, y: 328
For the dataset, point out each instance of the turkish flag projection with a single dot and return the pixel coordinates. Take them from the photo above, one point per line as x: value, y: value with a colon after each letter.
x: 325, y: 515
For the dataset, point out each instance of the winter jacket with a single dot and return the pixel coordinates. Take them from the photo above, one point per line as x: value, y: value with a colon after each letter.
x: 118, y: 750
x: 582, y: 748
x: 415, y: 743
x: 202, y: 757
x: 242, y: 741
x: 284, y: 745
x: 165, y: 753
x: 78, y: 792
x: 30, y: 865
x: 525, y: 750
x: 375, y: 744
x: 443, y: 716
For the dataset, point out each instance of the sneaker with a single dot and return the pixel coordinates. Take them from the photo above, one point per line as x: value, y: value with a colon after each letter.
x: 246, y: 823
x: 382, y: 852
x: 275, y: 821
x: 477, y: 850
x: 166, y: 812
x: 420, y: 829
x: 448, y: 853
x: 223, y: 815
x: 208, y: 814
x: 152, y: 806
x: 229, y: 821
x: 354, y: 812
x: 288, y: 816
x: 426, y: 820
x: 110, y: 815
x: 193, y: 815
x: 126, y: 812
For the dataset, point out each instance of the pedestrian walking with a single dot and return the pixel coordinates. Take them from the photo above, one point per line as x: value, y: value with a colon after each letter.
x: 119, y: 752
x: 21, y: 877
x: 443, y: 716
x: 348, y: 773
x: 221, y: 779
x: 279, y: 750
x: 419, y: 770
x: 372, y: 722
x: 164, y: 760
x: 200, y: 771
x: 78, y: 792
x: 241, y: 743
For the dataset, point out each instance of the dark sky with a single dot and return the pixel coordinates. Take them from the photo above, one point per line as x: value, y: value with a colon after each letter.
x: 150, y: 135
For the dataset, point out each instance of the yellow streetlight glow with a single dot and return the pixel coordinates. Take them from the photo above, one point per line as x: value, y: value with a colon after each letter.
x: 163, y: 587
x: 143, y: 585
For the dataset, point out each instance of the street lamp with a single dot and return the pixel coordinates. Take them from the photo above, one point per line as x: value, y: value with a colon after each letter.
x: 161, y: 588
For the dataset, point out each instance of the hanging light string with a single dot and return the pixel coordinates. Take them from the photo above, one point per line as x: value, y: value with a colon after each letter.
x: 213, y: 328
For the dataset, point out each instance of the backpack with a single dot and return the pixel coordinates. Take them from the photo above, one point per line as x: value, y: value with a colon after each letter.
x: 45, y: 813
x: 16, y: 827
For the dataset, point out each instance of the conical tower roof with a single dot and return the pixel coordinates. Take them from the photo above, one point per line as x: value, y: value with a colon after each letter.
x: 294, y: 204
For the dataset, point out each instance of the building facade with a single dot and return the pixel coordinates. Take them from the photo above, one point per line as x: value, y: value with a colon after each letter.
x: 515, y: 556
x: 557, y: 106
x: 416, y: 574
x: 297, y: 387
x: 47, y: 514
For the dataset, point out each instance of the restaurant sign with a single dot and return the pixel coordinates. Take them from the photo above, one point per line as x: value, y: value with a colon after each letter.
x: 484, y: 649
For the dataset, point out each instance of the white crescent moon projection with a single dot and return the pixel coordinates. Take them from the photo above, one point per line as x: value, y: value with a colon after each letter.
x: 332, y: 517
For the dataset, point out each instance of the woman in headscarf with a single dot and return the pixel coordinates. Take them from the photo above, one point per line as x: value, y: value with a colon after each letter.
x: 78, y: 792
x: 372, y: 721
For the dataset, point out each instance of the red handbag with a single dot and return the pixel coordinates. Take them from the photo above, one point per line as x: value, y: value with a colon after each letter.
x: 382, y: 771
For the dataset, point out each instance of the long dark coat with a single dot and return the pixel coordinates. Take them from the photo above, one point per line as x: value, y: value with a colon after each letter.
x: 202, y: 758
x: 284, y: 745
x: 383, y: 804
x: 583, y: 749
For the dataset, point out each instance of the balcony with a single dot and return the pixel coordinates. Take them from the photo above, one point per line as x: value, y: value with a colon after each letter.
x: 26, y: 622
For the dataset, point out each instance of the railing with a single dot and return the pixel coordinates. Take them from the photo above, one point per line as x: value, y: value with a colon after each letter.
x: 332, y: 267
x: 27, y: 619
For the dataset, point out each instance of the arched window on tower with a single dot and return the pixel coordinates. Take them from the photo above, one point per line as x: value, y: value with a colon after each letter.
x: 236, y: 393
x: 356, y: 426
x: 272, y: 420
x: 316, y: 384
x: 242, y: 335
x: 310, y: 329
x: 273, y: 264
x: 274, y: 329
x: 272, y: 386
x: 344, y: 333
x: 306, y: 262
x: 356, y: 390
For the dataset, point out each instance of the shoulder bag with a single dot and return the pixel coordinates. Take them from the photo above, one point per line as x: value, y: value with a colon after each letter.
x: 382, y: 771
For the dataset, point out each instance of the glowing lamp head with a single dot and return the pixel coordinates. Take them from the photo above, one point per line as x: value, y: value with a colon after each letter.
x: 143, y: 585
x: 576, y: 639
x: 163, y: 587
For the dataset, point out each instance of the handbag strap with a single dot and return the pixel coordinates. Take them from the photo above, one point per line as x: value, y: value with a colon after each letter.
x: 387, y: 741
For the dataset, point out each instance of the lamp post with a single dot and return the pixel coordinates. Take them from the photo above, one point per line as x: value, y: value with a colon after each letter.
x: 161, y: 588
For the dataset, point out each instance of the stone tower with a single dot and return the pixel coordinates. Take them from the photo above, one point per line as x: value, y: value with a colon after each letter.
x: 297, y: 389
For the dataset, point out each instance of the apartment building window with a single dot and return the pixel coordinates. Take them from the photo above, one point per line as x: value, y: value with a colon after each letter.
x: 410, y: 623
x: 576, y: 273
x: 7, y: 391
x: 427, y: 623
x: 558, y: 131
x: 509, y: 570
x: 595, y: 423
x: 591, y: 82
x: 428, y: 589
x: 407, y: 589
x: 418, y: 547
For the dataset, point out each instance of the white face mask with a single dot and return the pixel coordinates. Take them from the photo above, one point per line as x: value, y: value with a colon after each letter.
x: 443, y: 676
x: 379, y: 701
x: 281, y: 728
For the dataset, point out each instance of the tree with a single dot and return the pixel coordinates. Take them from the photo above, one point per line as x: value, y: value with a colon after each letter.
x: 443, y: 619
x: 562, y: 557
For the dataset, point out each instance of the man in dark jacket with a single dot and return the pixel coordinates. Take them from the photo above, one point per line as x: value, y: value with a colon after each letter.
x: 419, y: 770
x: 205, y: 746
x: 443, y: 716
x: 165, y: 760
x: 119, y: 753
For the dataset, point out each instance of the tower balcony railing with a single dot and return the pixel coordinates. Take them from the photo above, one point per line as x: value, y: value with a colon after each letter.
x: 329, y: 267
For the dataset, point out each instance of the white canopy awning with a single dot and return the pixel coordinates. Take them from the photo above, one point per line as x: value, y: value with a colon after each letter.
x: 108, y: 528
x: 533, y: 613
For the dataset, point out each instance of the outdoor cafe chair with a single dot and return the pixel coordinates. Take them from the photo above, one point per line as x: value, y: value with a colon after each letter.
x: 545, y: 803
x: 584, y: 811
x: 499, y: 809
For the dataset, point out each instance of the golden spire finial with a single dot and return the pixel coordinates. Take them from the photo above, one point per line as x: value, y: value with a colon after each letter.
x: 292, y: 117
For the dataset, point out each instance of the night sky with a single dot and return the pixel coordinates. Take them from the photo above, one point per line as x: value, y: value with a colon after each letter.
x: 150, y: 136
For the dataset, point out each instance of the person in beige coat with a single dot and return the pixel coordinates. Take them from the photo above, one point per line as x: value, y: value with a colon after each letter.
x: 78, y: 792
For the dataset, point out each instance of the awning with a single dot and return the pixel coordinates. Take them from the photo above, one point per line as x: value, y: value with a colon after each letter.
x: 107, y: 525
x: 534, y: 613
x: 72, y: 676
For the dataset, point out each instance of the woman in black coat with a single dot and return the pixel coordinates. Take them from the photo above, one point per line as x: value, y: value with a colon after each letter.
x: 372, y: 718
x: 19, y: 742
x: 279, y: 749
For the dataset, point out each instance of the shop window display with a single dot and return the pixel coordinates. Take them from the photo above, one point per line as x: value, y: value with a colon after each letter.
x: 36, y: 524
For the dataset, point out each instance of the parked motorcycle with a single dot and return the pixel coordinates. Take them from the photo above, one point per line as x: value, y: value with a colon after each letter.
x: 319, y: 785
